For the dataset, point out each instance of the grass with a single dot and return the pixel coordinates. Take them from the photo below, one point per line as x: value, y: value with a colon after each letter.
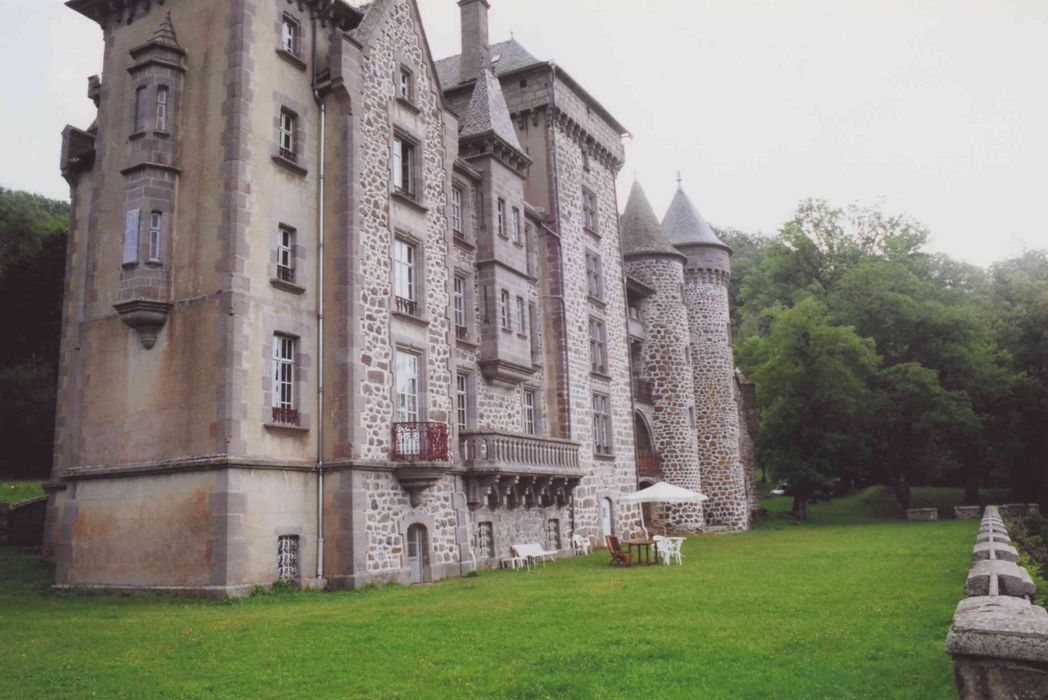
x: 16, y: 491
x: 877, y: 503
x: 847, y: 605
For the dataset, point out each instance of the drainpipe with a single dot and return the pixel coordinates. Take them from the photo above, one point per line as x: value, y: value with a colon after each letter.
x: 320, y: 311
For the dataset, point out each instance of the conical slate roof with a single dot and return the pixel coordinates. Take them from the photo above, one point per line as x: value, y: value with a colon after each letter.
x: 684, y: 225
x: 640, y: 228
x: 165, y: 32
x: 488, y: 112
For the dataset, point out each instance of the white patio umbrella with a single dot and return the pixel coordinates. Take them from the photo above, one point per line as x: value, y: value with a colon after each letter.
x: 662, y: 493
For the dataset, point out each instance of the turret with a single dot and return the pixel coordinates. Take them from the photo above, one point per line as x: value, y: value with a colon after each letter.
x: 706, y: 276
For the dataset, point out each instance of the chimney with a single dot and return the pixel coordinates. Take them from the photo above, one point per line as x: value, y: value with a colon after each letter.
x: 476, y: 52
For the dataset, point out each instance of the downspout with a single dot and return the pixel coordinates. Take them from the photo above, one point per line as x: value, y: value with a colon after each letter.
x: 560, y: 264
x: 320, y: 309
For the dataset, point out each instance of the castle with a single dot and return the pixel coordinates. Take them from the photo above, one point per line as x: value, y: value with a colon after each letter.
x: 338, y: 313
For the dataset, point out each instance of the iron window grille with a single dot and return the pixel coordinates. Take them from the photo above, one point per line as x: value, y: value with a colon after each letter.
x: 486, y: 539
x: 287, y: 557
x: 553, y: 533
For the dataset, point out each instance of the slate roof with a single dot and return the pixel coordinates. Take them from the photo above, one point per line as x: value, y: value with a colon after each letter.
x: 641, y: 234
x: 684, y: 225
x: 511, y: 56
x: 488, y: 112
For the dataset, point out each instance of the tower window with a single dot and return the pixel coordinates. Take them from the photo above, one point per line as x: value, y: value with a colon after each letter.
x: 589, y: 210
x: 284, y: 390
x: 501, y: 214
x: 522, y: 326
x: 594, y: 277
x: 515, y: 225
x: 286, y: 253
x: 598, y: 346
x: 601, y: 425
x: 155, y: 219
x: 141, y: 95
x: 456, y: 211
x: 530, y: 412
x: 161, y: 108
x: 507, y: 318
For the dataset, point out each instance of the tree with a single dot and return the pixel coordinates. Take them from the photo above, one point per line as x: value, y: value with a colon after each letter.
x: 813, y: 380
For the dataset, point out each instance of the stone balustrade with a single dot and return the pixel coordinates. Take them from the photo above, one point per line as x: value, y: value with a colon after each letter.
x: 502, y: 451
x: 998, y: 638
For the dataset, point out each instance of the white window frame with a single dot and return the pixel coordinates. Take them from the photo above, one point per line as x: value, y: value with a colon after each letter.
x: 456, y: 210
x: 594, y: 276
x: 405, y: 84
x: 285, y: 351
x: 289, y: 34
x: 162, y: 93
x: 141, y: 105
x: 529, y: 412
x: 515, y: 225
x: 407, y: 388
x: 286, y: 133
x: 463, y: 396
x: 598, y: 341
x: 403, y: 165
x: 286, y: 247
x: 156, y: 220
x: 501, y: 216
x: 589, y: 210
x: 405, y: 269
x: 459, y: 300
x: 601, y: 424
x: 507, y: 314
x: 522, y: 316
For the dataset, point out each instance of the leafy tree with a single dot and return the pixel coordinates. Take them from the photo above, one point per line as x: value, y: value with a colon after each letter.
x: 813, y: 381
x: 32, y: 263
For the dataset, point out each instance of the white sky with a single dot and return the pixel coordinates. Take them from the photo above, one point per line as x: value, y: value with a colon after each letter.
x: 935, y: 108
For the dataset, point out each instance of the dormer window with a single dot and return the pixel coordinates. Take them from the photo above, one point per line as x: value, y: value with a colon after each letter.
x: 286, y: 135
x: 289, y: 33
x: 161, y: 108
x: 405, y: 84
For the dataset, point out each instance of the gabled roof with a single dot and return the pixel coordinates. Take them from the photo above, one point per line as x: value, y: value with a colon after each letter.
x: 488, y: 113
x: 684, y: 225
x: 506, y: 57
x: 640, y: 228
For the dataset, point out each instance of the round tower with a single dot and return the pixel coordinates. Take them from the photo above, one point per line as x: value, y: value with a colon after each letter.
x: 662, y: 360
x: 706, y: 275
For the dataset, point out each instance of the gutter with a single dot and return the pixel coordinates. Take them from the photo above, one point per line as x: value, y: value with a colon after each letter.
x: 320, y: 308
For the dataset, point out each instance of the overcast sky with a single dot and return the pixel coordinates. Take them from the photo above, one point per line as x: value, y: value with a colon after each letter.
x: 935, y: 108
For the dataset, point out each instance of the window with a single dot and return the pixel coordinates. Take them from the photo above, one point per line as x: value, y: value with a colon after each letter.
x: 286, y: 254
x: 486, y: 540
x: 289, y: 33
x: 284, y: 379
x: 405, y: 84
x: 140, y: 110
x: 507, y: 320
x: 530, y: 421
x: 634, y: 312
x: 286, y: 136
x: 589, y: 210
x: 598, y: 346
x: 601, y: 425
x: 161, y: 108
x: 553, y: 534
x: 407, y: 387
x: 456, y: 211
x: 533, y: 320
x: 522, y: 326
x: 403, y: 166
x: 594, y: 278
x: 154, y: 236
x: 287, y: 557
x: 502, y: 217
x: 131, y: 223
x: 462, y: 401
x: 515, y: 225
x: 459, y: 306
x: 691, y: 416
x: 404, y: 280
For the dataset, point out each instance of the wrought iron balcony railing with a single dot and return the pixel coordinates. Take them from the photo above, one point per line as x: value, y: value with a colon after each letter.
x: 285, y: 416
x: 285, y: 274
x: 420, y: 442
x: 288, y: 154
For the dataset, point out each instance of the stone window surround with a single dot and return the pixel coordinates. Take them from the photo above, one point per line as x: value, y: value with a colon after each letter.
x: 303, y: 366
x: 156, y: 203
x: 588, y: 196
x: 457, y: 186
x: 293, y: 57
x: 148, y: 81
x: 599, y: 273
x: 601, y: 369
x: 299, y: 145
x: 468, y: 300
x: 298, y: 257
x: 471, y: 398
x: 536, y: 391
x: 520, y: 314
x: 413, y: 195
x: 610, y: 433
x: 421, y: 311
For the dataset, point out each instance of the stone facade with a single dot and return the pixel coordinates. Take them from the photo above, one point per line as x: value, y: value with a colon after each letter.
x: 335, y: 326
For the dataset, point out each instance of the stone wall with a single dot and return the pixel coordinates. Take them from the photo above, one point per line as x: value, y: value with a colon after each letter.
x: 998, y: 639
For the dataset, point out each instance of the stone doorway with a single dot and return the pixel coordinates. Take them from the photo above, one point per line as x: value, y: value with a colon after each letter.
x: 418, y: 553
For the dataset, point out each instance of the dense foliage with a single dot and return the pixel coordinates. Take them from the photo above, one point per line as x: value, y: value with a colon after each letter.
x: 32, y: 263
x: 879, y: 363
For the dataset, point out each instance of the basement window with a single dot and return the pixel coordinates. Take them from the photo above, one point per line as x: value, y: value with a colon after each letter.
x: 287, y: 557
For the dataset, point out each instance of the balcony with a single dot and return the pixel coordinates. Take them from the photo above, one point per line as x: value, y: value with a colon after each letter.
x: 407, y: 306
x: 642, y: 390
x: 513, y: 469
x: 285, y: 416
x: 419, y: 442
x: 649, y: 464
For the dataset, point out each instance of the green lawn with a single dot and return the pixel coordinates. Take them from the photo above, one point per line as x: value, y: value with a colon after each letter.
x: 845, y: 606
x: 15, y: 491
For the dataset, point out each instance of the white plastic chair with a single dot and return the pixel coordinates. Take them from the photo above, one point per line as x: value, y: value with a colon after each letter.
x: 669, y: 549
x: 580, y: 544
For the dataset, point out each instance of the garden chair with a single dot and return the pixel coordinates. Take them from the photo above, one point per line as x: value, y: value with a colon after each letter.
x: 669, y: 549
x: 580, y: 544
x: 618, y: 556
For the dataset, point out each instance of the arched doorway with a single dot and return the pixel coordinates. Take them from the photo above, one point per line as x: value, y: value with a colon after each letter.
x: 418, y: 552
x: 648, y: 463
x: 605, y: 517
